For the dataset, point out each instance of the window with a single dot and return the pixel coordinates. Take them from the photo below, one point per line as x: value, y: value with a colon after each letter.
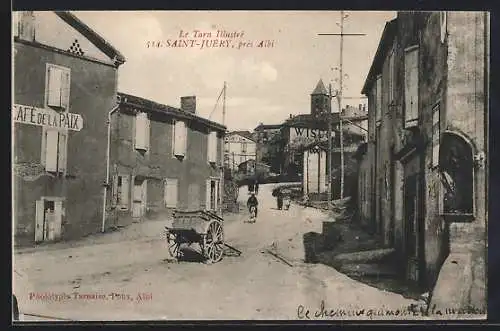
x: 411, y: 87
x: 212, y: 147
x: 391, y: 77
x: 243, y: 147
x: 212, y: 196
x: 378, y: 100
x: 142, y: 131
x: 15, y: 23
x: 57, y: 87
x: 179, y: 138
x: 171, y: 192
x: 435, y: 136
x: 457, y: 173
x: 54, y: 150
x: 121, y: 191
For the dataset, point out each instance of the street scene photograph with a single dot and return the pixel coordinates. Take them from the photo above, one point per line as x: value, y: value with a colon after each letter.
x: 249, y: 165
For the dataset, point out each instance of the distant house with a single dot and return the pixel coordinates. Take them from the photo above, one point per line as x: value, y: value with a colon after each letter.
x: 268, y: 138
x: 162, y: 158
x: 240, y: 146
x: 64, y: 84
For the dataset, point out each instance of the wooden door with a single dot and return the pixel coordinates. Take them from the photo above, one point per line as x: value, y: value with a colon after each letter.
x: 39, y: 220
x: 193, y: 202
x: 137, y: 198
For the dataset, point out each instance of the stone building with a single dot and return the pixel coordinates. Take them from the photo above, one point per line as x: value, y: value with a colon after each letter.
x: 162, y: 158
x: 268, y: 139
x: 64, y: 84
x: 425, y: 166
x: 239, y: 147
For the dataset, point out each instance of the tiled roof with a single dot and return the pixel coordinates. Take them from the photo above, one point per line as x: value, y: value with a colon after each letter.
x: 245, y: 134
x: 320, y: 88
x: 152, y: 106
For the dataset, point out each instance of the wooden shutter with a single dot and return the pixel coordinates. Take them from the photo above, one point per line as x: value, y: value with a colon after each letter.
x: 140, y: 131
x: 378, y: 97
x: 51, y: 144
x: 58, y: 211
x: 125, y: 192
x: 171, y: 193
x: 15, y: 23
x: 208, y: 195
x: 62, y: 151
x: 180, y: 138
x: 65, y: 88
x: 212, y: 147
x: 435, y: 136
x: 39, y: 216
x: 54, y: 86
x: 147, y: 132
x: 411, y: 87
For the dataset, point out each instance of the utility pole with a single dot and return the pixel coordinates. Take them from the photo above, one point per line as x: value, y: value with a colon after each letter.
x: 222, y: 151
x: 329, y: 154
x: 339, y: 94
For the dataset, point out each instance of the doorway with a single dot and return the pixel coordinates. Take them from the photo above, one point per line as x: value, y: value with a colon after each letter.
x: 48, y: 219
x: 139, y: 199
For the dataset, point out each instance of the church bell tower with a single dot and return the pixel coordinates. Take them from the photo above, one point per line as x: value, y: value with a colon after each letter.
x: 320, y: 101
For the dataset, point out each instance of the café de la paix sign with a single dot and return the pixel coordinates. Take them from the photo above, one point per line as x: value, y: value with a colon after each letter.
x: 46, y: 117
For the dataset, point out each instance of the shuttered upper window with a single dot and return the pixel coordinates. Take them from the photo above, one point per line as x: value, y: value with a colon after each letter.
x: 212, y: 147
x: 57, y: 88
x: 54, y: 150
x: 142, y: 131
x: 179, y: 138
x: 378, y: 99
x: 411, y: 86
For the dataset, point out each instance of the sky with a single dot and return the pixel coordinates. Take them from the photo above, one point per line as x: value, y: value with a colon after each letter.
x: 264, y: 85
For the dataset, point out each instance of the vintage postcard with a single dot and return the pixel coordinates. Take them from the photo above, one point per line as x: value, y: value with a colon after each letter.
x: 249, y: 165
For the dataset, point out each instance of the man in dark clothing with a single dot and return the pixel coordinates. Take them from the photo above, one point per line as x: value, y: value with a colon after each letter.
x: 256, y: 187
x: 252, y: 201
x: 279, y: 199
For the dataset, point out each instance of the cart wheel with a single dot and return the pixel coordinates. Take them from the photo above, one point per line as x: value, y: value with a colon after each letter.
x: 173, y: 245
x: 213, y: 242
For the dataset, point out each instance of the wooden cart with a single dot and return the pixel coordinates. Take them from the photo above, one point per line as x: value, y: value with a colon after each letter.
x: 202, y: 227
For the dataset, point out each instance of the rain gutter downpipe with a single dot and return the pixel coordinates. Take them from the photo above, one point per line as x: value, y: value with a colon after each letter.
x: 106, y: 183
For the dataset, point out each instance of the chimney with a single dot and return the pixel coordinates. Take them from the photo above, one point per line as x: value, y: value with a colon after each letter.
x: 24, y: 25
x: 188, y: 104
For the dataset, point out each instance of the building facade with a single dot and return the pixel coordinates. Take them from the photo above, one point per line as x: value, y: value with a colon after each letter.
x: 162, y: 158
x: 427, y: 147
x: 64, y: 85
x: 268, y: 139
x: 239, y: 147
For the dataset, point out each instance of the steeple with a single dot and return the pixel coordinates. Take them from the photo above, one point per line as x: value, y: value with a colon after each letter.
x: 320, y: 100
x: 320, y: 89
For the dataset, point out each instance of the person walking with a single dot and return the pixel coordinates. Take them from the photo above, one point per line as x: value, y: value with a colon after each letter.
x: 279, y: 199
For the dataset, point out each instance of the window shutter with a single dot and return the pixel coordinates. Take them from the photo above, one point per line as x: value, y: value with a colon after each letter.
x: 171, y: 193
x: 147, y: 132
x: 411, y: 87
x: 51, y: 144
x: 180, y: 138
x: 114, y: 191
x: 58, y: 211
x: 378, y: 95
x: 65, y: 88
x: 125, y: 191
x: 391, y: 77
x: 212, y: 147
x: 207, y: 198
x: 39, y: 216
x: 443, y: 16
x: 62, y: 151
x: 140, y: 131
x: 15, y: 23
x: 54, y: 87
